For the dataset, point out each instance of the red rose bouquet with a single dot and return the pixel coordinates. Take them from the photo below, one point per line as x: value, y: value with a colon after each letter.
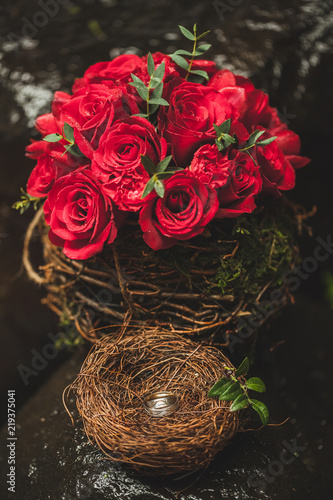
x: 163, y: 174
x: 167, y: 139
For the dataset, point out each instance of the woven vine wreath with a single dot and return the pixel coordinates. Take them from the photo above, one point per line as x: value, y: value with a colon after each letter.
x: 199, y: 288
x: 120, y: 372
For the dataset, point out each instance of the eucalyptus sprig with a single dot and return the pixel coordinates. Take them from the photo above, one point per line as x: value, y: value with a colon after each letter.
x: 253, y: 140
x: 198, y: 50
x: 152, y: 94
x: 158, y: 173
x: 26, y: 200
x: 68, y: 136
x: 224, y: 139
x: 233, y: 388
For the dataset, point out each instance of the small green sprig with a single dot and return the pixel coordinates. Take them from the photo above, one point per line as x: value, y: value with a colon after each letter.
x: 223, y: 138
x: 233, y: 388
x: 25, y: 202
x: 152, y: 94
x: 68, y: 136
x: 158, y: 173
x: 198, y: 50
x: 253, y: 140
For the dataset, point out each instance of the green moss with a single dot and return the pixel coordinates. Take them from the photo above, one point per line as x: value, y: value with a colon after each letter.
x: 265, y: 252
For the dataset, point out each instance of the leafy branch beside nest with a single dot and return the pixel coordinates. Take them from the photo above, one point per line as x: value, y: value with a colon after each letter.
x: 235, y: 388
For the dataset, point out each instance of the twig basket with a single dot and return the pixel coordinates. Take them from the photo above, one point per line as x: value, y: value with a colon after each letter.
x: 198, y: 288
x: 119, y: 373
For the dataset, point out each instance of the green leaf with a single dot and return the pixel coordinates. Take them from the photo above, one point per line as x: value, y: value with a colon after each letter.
x: 157, y: 92
x: 74, y: 150
x: 159, y: 188
x: 253, y: 138
x: 166, y: 175
x: 203, y: 35
x: 52, y: 138
x: 186, y: 33
x: 180, y: 61
x: 243, y: 368
x: 224, y: 141
x: 160, y: 70
x: 266, y: 141
x: 150, y: 64
x: 154, y: 82
x: 137, y: 80
x: 231, y: 392
x: 182, y: 52
x: 163, y: 164
x: 217, y: 388
x: 202, y: 49
x: 240, y: 402
x: 142, y: 115
x: 148, y: 187
x: 143, y: 93
x: 256, y: 384
x: 194, y: 78
x: 153, y: 108
x: 160, y: 101
x: 23, y: 204
x: 136, y: 85
x: 67, y: 148
x: 148, y: 164
x: 198, y: 72
x: 224, y: 128
x: 219, y: 145
x: 261, y: 409
x: 69, y: 133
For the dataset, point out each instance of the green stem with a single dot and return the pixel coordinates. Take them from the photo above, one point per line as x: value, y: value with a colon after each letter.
x: 243, y: 387
x: 254, y: 161
x: 148, y: 97
x: 244, y: 149
x: 193, y: 52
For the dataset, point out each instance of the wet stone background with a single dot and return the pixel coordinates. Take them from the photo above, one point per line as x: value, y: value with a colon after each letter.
x: 286, y: 48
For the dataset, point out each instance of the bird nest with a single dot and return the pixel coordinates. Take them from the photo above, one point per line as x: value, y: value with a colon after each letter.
x: 117, y: 379
x: 198, y: 288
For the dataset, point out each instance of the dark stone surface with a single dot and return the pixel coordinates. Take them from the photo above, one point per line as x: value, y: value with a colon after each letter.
x: 286, y: 47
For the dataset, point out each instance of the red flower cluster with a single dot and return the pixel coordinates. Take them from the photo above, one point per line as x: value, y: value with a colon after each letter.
x: 94, y: 174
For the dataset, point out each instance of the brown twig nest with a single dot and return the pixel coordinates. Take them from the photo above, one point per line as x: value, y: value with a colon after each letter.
x: 198, y: 288
x: 114, y: 382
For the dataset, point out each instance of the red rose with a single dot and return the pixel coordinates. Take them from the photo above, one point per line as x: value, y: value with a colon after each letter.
x: 37, y: 148
x: 110, y: 73
x: 171, y: 68
x: 90, y: 110
x: 237, y: 196
x: 188, y: 121
x: 276, y: 171
x: 211, y: 166
x: 225, y: 78
x: 51, y: 165
x: 204, y: 65
x: 117, y: 161
x: 80, y: 215
x: 290, y: 145
x: 257, y: 114
x: 186, y: 208
x: 48, y: 124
